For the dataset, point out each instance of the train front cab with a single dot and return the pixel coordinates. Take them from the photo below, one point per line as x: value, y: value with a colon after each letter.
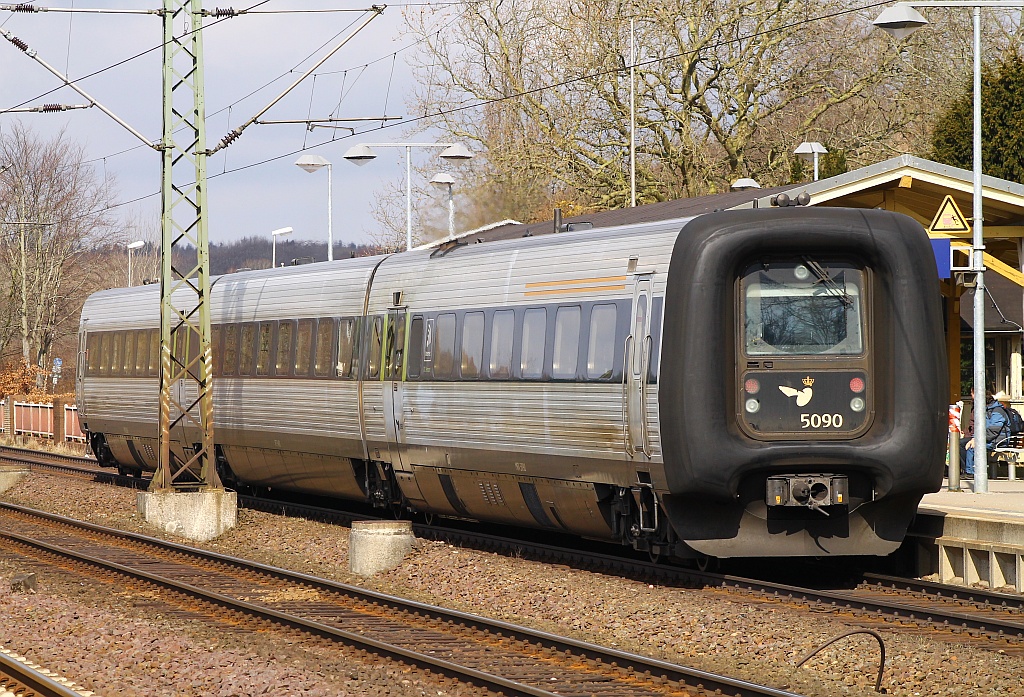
x: 820, y: 424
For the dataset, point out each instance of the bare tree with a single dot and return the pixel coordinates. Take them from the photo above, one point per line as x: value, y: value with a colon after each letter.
x: 54, y: 209
x: 724, y: 88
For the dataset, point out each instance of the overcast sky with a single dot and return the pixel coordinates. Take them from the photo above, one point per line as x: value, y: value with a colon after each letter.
x: 242, y: 55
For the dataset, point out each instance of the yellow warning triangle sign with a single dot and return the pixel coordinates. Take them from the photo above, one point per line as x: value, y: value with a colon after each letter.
x: 949, y: 219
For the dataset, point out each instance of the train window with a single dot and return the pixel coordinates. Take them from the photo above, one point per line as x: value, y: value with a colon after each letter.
x: 640, y: 331
x: 567, y: 342
x: 179, y: 338
x: 263, y: 348
x: 376, y: 341
x: 216, y: 332
x: 472, y: 344
x: 92, y: 355
x: 245, y: 348
x: 802, y: 307
x: 348, y: 340
x: 285, y: 346
x: 154, y: 353
x: 395, y: 345
x: 503, y: 325
x: 444, y: 345
x: 324, y: 337
x: 601, y: 346
x: 303, y: 346
x: 142, y: 353
x: 415, y: 363
x: 116, y: 349
x: 534, y: 326
x: 104, y: 354
x: 230, y: 362
x: 128, y: 364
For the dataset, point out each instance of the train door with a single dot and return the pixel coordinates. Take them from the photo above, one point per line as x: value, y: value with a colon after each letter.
x: 81, y: 366
x: 394, y: 366
x: 636, y: 363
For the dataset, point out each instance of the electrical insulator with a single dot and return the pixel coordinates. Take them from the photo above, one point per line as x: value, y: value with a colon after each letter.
x: 19, y: 43
x: 53, y: 107
x: 224, y: 12
x: 24, y: 7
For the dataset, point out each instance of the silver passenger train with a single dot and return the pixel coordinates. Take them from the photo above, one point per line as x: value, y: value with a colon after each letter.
x: 745, y: 383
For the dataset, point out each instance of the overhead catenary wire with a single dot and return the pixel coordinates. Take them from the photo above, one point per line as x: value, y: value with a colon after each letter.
x: 362, y: 68
x: 484, y: 102
x: 35, y: 56
x: 374, y: 12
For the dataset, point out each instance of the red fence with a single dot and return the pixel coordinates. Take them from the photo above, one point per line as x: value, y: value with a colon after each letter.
x: 37, y: 419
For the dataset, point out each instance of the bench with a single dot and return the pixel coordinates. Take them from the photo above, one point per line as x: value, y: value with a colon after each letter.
x: 1009, y: 450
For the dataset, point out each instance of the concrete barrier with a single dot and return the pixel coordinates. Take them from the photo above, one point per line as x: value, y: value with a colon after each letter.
x: 196, y: 515
x: 378, y: 545
x: 11, y: 475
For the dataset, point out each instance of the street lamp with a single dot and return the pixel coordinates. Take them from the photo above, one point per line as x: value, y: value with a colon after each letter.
x: 311, y: 163
x: 901, y: 20
x: 808, y: 152
x: 363, y: 153
x: 443, y: 179
x: 132, y: 246
x: 274, y: 235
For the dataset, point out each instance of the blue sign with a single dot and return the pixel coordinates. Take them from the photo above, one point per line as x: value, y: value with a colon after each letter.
x: 57, y: 361
x: 940, y: 248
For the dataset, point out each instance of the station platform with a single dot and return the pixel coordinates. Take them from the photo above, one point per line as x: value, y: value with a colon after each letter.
x: 970, y: 538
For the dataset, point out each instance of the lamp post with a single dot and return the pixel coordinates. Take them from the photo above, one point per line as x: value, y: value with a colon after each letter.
x: 311, y: 163
x: 901, y: 20
x: 444, y: 179
x: 132, y: 247
x: 274, y: 234
x: 363, y: 153
x: 809, y: 153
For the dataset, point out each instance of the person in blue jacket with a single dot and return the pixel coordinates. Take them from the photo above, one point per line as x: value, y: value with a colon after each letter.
x: 996, y: 426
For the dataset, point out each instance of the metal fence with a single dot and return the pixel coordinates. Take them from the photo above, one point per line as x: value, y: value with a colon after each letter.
x: 37, y: 419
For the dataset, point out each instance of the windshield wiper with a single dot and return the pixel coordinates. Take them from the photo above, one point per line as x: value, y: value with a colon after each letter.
x: 827, y: 281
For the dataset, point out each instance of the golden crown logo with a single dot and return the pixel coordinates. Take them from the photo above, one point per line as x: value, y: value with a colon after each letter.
x: 808, y: 381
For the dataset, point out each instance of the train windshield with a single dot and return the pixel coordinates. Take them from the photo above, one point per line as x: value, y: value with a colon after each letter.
x: 803, y: 307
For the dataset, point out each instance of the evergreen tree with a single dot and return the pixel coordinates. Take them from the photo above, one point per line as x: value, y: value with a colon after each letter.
x: 1002, y: 124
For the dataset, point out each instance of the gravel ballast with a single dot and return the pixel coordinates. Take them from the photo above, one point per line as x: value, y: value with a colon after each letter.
x: 117, y: 641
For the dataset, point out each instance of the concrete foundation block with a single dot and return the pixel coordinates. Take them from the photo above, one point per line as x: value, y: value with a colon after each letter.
x: 9, y: 476
x: 195, y: 515
x: 378, y: 545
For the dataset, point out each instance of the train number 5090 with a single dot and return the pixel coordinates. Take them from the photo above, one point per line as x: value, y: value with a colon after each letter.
x: 821, y: 421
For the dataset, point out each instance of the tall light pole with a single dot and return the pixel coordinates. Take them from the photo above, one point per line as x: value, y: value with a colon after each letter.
x: 901, y: 20
x: 809, y: 153
x: 363, y: 153
x: 274, y: 234
x: 632, y: 112
x: 132, y: 247
x: 442, y: 179
x: 311, y: 163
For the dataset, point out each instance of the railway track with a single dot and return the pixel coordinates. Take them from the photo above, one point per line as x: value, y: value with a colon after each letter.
x: 990, y: 619
x: 18, y: 676
x: 496, y: 656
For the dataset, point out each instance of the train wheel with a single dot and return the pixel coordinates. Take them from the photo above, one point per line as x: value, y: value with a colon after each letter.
x: 654, y: 553
x: 707, y: 563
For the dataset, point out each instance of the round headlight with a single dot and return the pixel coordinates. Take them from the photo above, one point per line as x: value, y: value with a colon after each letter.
x: 752, y: 405
x: 857, y: 404
x: 801, y: 272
